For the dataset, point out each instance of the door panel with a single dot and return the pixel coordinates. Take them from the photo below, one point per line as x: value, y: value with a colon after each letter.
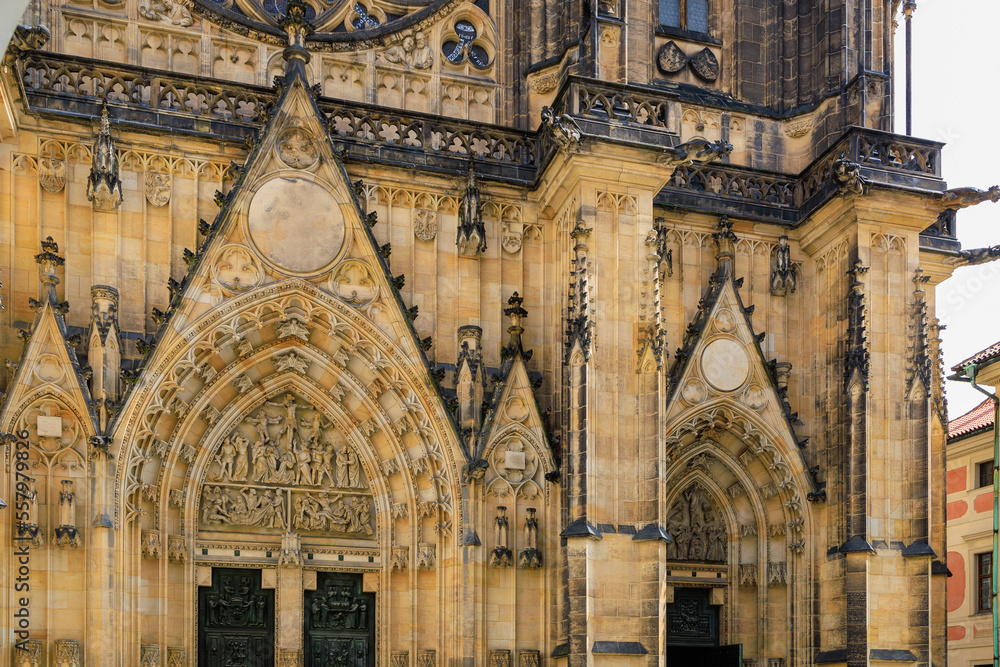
x: 691, y: 620
x: 235, y: 621
x: 340, y: 622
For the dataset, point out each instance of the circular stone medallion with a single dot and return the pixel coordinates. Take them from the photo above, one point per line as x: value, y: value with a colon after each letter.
x: 296, y: 224
x: 725, y: 364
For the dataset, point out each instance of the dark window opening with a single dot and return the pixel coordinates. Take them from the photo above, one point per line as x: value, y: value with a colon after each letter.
x: 690, y: 15
x: 984, y: 474
x: 984, y: 576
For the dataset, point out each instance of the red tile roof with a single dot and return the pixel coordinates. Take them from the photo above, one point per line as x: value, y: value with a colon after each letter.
x: 991, y: 352
x: 977, y: 418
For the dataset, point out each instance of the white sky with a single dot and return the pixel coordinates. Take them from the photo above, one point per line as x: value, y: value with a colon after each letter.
x: 956, y: 55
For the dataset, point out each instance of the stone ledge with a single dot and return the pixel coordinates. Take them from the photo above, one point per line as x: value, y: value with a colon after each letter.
x: 621, y: 648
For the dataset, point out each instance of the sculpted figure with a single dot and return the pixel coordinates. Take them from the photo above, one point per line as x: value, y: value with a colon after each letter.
x: 423, y: 56
x: 847, y: 177
x: 400, y: 52
x: 363, y: 516
x: 227, y: 458
x: 303, y: 466
x: 321, y: 464
x: 241, y: 462
x: 963, y: 197
x: 346, y: 465
x: 170, y: 11
x: 975, y: 256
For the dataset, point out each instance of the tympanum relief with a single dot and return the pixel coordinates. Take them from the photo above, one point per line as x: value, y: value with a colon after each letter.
x: 286, y: 467
x: 698, y: 529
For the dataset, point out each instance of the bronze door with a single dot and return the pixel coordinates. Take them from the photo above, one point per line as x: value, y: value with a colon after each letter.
x: 340, y: 622
x: 235, y: 621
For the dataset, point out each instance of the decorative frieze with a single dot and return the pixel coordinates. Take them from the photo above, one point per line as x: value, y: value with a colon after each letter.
x: 500, y: 658
x: 426, y: 658
x: 68, y: 653
x: 399, y: 659
x: 176, y: 656
x: 149, y: 655
x: 528, y: 658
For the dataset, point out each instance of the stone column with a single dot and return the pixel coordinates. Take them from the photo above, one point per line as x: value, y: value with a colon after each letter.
x: 289, y: 599
x: 101, y: 612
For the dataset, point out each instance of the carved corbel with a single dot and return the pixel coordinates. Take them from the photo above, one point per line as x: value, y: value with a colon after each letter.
x: 66, y: 534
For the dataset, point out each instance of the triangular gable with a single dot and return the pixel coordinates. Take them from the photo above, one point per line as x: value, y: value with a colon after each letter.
x: 49, y: 367
x: 721, y: 358
x: 292, y: 213
x: 514, y: 407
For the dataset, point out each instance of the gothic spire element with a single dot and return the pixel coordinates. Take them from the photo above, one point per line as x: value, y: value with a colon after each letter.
x: 516, y: 313
x: 920, y: 362
x: 48, y: 259
x: 661, y: 259
x: 857, y: 358
x: 726, y: 239
x: 784, y: 276
x: 471, y: 231
x: 469, y: 379
x: 104, y: 351
x: 104, y: 187
x: 297, y: 27
x: 938, y: 399
x: 578, y: 321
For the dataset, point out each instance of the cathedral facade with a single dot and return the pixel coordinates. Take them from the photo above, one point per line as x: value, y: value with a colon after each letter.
x: 454, y: 333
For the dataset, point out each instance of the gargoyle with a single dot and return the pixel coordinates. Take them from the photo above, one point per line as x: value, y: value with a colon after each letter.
x: 963, y: 197
x: 563, y: 130
x: 700, y: 151
x: 847, y: 177
x: 976, y: 256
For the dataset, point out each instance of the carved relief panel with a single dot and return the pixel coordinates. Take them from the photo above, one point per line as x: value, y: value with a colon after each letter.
x: 697, y: 527
x: 285, y: 467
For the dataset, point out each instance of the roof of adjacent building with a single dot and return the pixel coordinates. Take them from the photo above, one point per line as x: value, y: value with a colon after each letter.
x: 992, y: 352
x: 973, y: 421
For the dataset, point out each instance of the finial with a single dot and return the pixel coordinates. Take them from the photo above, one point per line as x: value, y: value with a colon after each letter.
x: 298, y: 27
x: 104, y: 187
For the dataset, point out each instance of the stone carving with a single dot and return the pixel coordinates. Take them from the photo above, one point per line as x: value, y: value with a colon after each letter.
x: 697, y: 528
x: 291, y: 550
x: 399, y: 559
x: 514, y: 465
x: 959, y: 198
x: 175, y: 498
x: 297, y: 149
x: 293, y: 328
x: 563, y: 130
x: 168, y: 11
x: 500, y: 658
x: 52, y: 174
x: 289, y: 445
x: 292, y: 360
x: 670, y: 59
x: 157, y: 189
x: 511, y: 236
x: 530, y: 557
x: 527, y: 658
x: 149, y: 655
x: 27, y: 527
x: 426, y: 556
x: 390, y: 467
x: 68, y: 653
x: 694, y: 391
x: 28, y: 653
x: 426, y: 658
x: 975, y: 256
x: 236, y: 270
x: 784, y: 274
x: 543, y: 83
x: 210, y: 415
x: 104, y: 186
x: 150, y: 544
x: 354, y: 282
x: 176, y: 656
x: 777, y: 574
x: 798, y: 128
x: 399, y: 510
x: 696, y: 151
x: 755, y: 397
x: 748, y: 574
x: 501, y: 555
x: 471, y: 240
x: 847, y: 177
x: 289, y: 657
x: 66, y: 534
x: 410, y: 51
x: 177, y: 549
x: 425, y: 225
x: 399, y: 659
x: 705, y: 64
x: 242, y: 384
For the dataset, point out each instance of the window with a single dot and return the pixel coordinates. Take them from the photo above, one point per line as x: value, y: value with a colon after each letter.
x: 689, y: 15
x: 984, y: 576
x: 984, y: 474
